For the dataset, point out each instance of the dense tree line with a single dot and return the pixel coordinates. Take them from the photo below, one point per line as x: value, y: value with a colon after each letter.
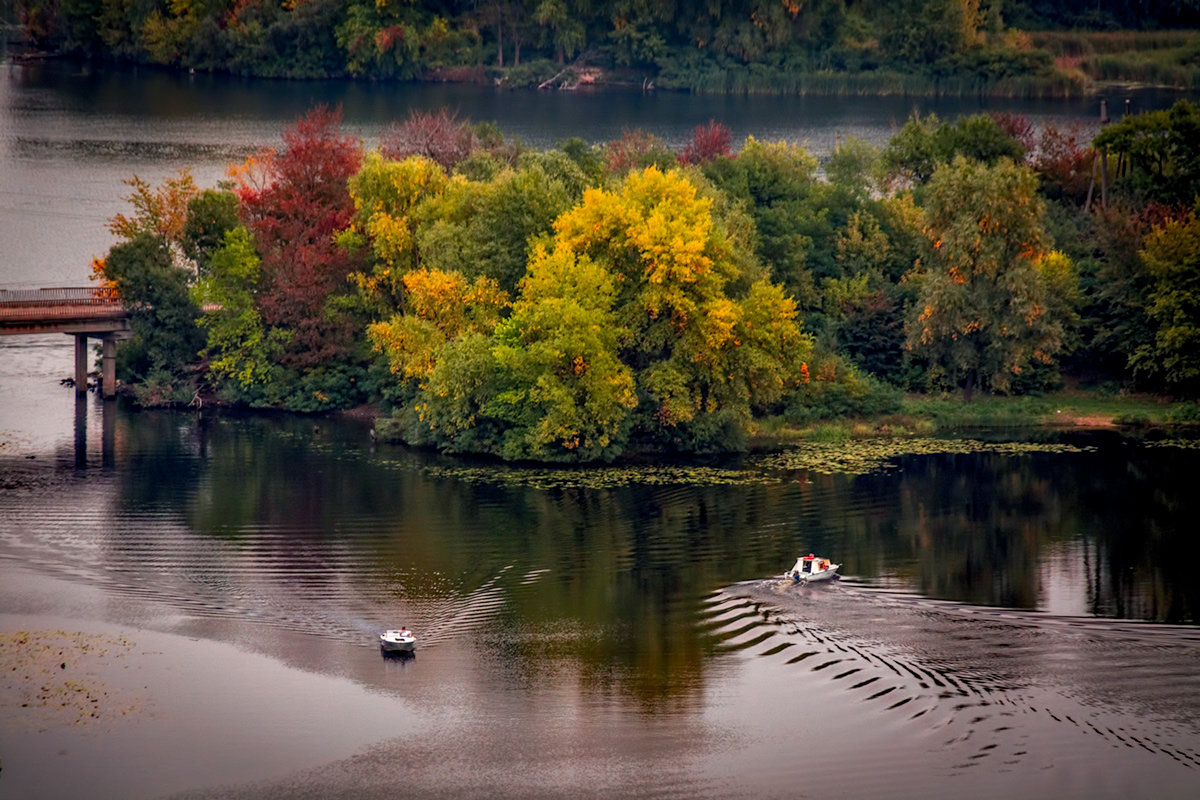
x: 573, y: 303
x: 746, y: 44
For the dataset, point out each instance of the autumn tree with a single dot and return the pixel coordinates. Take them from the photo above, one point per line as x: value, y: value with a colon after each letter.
x: 707, y: 142
x: 293, y: 202
x: 150, y: 273
x: 440, y: 308
x: 982, y: 314
x: 389, y: 198
x: 548, y: 384
x: 1063, y: 159
x: 702, y: 357
x: 636, y: 150
x: 161, y: 212
x: 1172, y: 256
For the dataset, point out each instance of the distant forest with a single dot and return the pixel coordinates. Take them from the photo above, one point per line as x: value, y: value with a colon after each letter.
x: 743, y: 45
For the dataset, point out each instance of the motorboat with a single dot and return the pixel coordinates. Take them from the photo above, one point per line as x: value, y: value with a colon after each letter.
x: 398, y: 641
x: 812, y: 568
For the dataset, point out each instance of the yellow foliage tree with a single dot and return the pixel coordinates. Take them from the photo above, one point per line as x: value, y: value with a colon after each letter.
x: 387, y: 197
x: 696, y: 349
x: 442, y: 307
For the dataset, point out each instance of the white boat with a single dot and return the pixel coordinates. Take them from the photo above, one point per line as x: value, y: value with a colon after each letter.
x: 398, y: 641
x: 812, y: 568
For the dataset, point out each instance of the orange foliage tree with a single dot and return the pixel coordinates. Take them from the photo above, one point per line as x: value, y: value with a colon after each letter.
x: 989, y: 285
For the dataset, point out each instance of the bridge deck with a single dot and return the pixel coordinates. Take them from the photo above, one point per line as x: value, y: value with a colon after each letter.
x: 79, y: 312
x: 63, y: 310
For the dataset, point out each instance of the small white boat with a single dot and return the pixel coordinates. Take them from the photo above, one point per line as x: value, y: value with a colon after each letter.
x: 398, y: 641
x: 812, y: 568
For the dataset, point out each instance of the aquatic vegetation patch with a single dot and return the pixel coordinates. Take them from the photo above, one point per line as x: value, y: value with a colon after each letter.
x: 605, y: 477
x: 864, y: 456
x: 1181, y: 444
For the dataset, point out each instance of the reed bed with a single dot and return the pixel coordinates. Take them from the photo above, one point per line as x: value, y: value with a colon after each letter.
x: 759, y: 80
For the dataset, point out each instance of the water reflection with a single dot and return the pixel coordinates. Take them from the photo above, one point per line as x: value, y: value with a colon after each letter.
x: 639, y: 617
x: 627, y: 564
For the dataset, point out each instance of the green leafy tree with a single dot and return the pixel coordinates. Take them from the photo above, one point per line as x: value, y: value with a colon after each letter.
x: 566, y: 394
x: 210, y: 215
x: 982, y: 314
x: 163, y: 317
x: 924, y: 143
x: 1162, y: 150
x: 562, y: 28
x: 487, y: 227
x: 1172, y: 256
x: 778, y: 185
x: 240, y: 346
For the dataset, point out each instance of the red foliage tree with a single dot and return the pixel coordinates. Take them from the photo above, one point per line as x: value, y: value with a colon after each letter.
x: 1018, y: 127
x: 1064, y: 159
x: 708, y: 142
x: 636, y: 149
x: 299, y: 201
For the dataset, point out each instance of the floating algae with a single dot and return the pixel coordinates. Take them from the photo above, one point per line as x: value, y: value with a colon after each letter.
x: 864, y: 456
x: 850, y: 457
x: 604, y: 477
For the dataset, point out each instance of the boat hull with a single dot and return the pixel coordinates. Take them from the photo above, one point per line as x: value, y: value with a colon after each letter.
x: 824, y: 575
x: 396, y: 642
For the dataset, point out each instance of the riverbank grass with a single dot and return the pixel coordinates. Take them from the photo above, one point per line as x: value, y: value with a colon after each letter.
x: 922, y: 415
x: 1152, y: 58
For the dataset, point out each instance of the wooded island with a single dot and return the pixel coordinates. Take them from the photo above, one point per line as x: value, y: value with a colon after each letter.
x: 573, y: 303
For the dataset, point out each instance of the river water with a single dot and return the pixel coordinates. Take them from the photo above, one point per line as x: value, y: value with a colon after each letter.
x: 1011, y: 621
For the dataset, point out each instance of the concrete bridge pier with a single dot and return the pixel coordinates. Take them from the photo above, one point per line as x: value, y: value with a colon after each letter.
x: 108, y: 368
x: 108, y: 364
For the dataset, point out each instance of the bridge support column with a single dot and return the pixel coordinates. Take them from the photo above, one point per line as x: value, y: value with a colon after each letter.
x: 108, y: 368
x: 81, y: 363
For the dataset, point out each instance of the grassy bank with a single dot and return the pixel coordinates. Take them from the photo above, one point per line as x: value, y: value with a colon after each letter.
x: 927, y: 414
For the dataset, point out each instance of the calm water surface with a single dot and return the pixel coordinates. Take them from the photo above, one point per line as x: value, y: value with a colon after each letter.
x: 1009, y: 625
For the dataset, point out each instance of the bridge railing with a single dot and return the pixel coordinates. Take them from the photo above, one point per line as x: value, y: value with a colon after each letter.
x: 16, y: 302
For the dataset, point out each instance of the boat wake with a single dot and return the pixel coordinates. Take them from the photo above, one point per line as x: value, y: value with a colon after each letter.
x: 986, y: 684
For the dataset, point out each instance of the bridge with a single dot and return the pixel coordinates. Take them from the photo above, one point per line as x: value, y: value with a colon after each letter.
x: 84, y: 313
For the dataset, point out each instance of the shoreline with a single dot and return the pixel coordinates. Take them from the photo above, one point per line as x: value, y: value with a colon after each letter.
x: 626, y: 81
